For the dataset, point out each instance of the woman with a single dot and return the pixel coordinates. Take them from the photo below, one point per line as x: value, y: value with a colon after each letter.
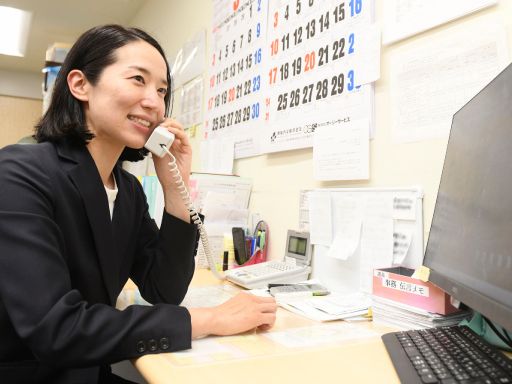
x: 74, y: 226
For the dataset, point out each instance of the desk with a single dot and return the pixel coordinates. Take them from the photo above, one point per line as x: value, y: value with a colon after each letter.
x: 262, y: 360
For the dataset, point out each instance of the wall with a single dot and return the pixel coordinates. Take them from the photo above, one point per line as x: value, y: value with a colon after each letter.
x: 279, y: 177
x: 21, y: 84
x: 172, y: 23
x: 18, y: 117
x: 20, y: 104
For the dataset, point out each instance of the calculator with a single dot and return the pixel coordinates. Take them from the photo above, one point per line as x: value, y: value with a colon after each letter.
x: 315, y: 289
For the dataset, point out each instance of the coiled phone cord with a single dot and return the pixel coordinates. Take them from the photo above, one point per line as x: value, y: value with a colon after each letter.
x: 193, y: 213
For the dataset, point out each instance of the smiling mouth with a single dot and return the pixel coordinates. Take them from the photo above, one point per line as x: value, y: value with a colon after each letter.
x: 140, y: 121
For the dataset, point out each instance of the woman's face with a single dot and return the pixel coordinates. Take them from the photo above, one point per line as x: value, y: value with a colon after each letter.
x: 127, y: 102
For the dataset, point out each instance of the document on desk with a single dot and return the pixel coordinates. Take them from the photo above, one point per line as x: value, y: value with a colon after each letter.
x: 321, y: 334
x: 208, y: 296
x: 403, y: 316
x: 215, y: 349
x: 335, y: 306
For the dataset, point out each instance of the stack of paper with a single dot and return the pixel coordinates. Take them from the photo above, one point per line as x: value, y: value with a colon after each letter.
x: 393, y: 313
x: 224, y: 201
x: 351, y: 306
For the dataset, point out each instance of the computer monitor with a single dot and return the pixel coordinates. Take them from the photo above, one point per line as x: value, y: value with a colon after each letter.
x: 469, y: 249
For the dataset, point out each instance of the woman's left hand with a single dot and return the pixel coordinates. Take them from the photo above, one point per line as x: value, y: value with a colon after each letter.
x: 182, y: 151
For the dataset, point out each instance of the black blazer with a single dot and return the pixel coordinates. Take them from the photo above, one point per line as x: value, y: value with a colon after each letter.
x: 63, y: 262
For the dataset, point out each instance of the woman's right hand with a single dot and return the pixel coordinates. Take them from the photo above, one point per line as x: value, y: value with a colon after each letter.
x: 241, y: 313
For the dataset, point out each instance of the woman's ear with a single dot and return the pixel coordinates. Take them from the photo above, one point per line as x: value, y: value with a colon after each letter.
x: 78, y: 85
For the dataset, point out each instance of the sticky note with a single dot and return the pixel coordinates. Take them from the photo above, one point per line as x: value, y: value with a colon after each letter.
x: 422, y: 273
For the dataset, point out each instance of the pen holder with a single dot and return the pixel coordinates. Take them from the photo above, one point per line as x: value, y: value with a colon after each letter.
x: 257, y: 257
x: 261, y: 233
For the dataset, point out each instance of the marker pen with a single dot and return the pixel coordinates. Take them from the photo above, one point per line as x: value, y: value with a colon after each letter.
x: 225, y: 261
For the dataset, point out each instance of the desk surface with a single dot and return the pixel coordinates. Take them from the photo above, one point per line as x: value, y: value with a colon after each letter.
x: 296, y: 350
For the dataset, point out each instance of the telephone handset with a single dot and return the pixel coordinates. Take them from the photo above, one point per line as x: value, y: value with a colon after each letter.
x: 158, y: 144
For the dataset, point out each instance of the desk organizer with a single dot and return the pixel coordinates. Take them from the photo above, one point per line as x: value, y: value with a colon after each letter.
x: 260, y: 252
x: 397, y: 284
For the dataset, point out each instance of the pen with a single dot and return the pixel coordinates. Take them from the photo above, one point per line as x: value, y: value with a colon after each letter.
x: 248, y: 242
x: 253, y: 246
x: 225, y: 261
x: 292, y: 295
x: 262, y: 239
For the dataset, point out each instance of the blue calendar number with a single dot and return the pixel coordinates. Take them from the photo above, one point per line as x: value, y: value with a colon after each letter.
x: 255, y: 111
x: 257, y: 56
x: 351, y: 84
x: 256, y: 83
x: 356, y: 6
x: 351, y: 40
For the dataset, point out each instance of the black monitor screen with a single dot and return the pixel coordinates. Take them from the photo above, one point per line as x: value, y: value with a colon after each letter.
x: 469, y: 249
x: 297, y: 245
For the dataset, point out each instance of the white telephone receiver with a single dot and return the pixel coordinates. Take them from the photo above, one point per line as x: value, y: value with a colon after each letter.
x: 158, y: 144
x: 159, y: 141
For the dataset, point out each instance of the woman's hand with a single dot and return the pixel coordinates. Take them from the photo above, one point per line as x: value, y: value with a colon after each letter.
x: 182, y: 151
x: 241, y: 313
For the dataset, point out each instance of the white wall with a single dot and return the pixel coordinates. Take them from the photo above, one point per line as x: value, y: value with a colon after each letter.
x: 21, y: 84
x: 279, y: 177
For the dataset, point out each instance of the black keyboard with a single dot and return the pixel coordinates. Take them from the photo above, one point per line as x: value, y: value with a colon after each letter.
x: 446, y: 355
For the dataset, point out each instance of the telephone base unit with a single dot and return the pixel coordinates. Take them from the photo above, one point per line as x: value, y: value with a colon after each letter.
x: 261, y: 274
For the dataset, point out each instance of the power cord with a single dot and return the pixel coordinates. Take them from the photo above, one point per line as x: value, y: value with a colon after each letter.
x: 505, y: 337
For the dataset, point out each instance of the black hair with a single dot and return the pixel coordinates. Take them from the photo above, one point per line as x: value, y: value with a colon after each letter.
x: 95, y: 49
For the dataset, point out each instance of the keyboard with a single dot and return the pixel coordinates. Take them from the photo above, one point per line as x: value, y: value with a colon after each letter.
x: 446, y: 355
x: 261, y: 274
